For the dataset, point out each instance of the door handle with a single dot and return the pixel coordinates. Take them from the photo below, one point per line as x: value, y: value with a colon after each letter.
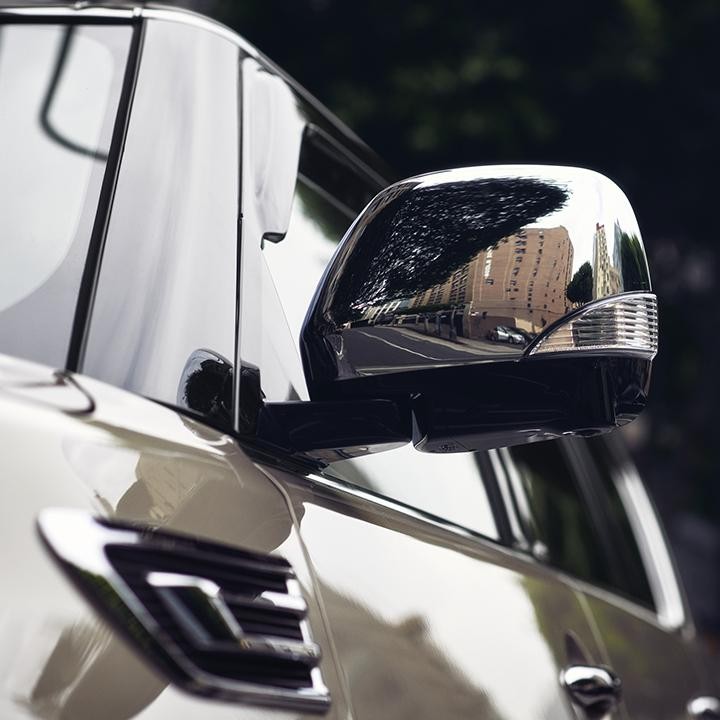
x: 704, y: 708
x: 595, y: 689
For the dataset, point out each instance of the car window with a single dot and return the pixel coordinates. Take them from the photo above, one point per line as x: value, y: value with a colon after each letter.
x: 577, y: 516
x: 635, y: 583
x: 59, y: 92
x: 166, y: 299
x: 450, y: 487
x: 561, y: 527
x: 297, y: 263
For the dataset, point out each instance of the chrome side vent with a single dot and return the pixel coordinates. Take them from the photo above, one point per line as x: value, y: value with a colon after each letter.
x: 217, y: 621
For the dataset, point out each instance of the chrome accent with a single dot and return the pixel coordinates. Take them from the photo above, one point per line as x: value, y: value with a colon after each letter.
x: 399, y: 507
x: 653, y: 549
x: 519, y: 498
x: 472, y: 265
x: 596, y: 690
x: 81, y: 543
x: 625, y: 323
x: 168, y: 585
x: 502, y: 476
x: 275, y: 129
x: 704, y: 708
x: 76, y: 10
x: 188, y: 17
x: 518, y: 552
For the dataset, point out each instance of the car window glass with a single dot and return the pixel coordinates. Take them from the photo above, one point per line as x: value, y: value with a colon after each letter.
x: 633, y: 580
x: 59, y: 91
x: 297, y: 263
x: 166, y: 297
x: 560, y: 519
x: 447, y: 486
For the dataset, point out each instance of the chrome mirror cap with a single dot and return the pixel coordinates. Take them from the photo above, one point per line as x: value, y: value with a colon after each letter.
x: 483, y: 264
x: 492, y: 305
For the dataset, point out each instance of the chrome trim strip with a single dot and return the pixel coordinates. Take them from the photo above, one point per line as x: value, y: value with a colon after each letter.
x: 670, y: 609
x: 165, y: 582
x: 78, y: 11
x: 653, y: 549
x: 401, y: 508
x: 501, y: 471
x: 188, y: 17
x: 516, y: 554
x: 269, y: 600
x: 236, y: 640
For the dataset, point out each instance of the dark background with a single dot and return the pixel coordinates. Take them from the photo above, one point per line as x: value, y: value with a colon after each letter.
x: 626, y: 87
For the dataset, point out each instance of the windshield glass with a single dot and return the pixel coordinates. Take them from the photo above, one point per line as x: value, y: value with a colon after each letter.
x: 59, y: 92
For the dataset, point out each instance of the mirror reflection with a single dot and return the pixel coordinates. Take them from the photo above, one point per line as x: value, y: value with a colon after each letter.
x: 474, y: 264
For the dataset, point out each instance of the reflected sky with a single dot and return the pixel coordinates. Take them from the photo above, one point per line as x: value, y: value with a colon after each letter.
x: 596, y: 201
x: 447, y: 485
x: 36, y: 171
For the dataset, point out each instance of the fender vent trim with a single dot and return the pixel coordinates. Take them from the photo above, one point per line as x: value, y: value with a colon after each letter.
x: 215, y: 620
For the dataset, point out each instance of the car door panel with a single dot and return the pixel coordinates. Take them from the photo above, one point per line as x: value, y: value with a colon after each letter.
x: 431, y: 623
x: 134, y: 461
x: 589, y: 511
x: 658, y: 672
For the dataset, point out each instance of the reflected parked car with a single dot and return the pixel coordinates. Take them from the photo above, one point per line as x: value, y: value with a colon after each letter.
x: 502, y: 333
x: 226, y: 493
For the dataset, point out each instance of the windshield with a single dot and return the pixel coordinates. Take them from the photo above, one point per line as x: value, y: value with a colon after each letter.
x: 59, y: 92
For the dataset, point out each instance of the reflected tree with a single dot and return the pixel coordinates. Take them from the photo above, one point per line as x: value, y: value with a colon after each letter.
x: 580, y: 289
x: 417, y: 240
x: 634, y: 266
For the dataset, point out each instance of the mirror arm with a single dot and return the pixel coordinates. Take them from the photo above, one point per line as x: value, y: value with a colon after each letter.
x: 328, y: 431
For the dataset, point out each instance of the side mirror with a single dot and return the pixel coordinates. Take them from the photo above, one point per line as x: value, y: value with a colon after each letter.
x: 491, y: 305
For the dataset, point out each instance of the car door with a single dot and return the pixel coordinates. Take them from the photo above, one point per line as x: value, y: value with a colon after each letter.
x: 588, y: 489
x: 431, y: 612
x: 429, y: 618
x: 655, y: 648
x: 83, y: 461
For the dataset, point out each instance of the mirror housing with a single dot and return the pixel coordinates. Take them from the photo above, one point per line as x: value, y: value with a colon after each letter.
x: 493, y: 305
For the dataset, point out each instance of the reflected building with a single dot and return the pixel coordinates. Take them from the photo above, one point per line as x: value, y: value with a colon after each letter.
x: 518, y: 283
x: 606, y: 277
x: 376, y: 313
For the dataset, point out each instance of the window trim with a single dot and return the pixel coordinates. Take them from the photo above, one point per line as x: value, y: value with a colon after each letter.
x: 651, y: 542
x: 96, y: 246
x: 93, y: 16
x: 73, y: 17
x: 383, y: 501
x: 588, y: 483
x: 670, y: 609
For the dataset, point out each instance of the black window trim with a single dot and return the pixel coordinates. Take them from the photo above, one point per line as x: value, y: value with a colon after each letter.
x: 670, y: 606
x: 670, y: 611
x: 588, y: 482
x: 525, y: 539
x: 73, y: 18
x: 96, y: 247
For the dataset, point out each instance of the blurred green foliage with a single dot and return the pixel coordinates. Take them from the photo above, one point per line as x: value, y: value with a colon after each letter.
x: 626, y: 87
